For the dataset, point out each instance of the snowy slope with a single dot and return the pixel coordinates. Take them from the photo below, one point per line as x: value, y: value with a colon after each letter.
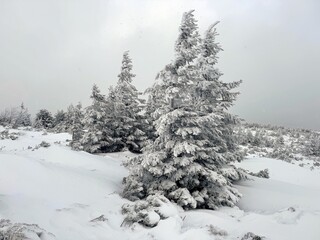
x: 63, y: 190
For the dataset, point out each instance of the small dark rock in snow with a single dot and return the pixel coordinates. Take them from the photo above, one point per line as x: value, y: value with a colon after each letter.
x: 44, y: 144
x: 101, y: 218
x: 291, y: 209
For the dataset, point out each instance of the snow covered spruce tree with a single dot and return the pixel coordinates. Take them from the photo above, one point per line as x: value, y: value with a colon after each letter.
x: 23, y: 118
x: 44, y: 119
x: 98, y: 136
x: 128, y: 107
x: 188, y: 161
x: 74, y: 124
x: 59, y: 121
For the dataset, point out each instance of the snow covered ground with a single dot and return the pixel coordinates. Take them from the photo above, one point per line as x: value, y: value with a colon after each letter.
x: 63, y: 191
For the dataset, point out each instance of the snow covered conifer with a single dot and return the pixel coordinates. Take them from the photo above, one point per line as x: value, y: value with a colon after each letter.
x: 23, y: 118
x: 184, y: 164
x: 44, y: 119
x: 98, y: 135
x: 173, y: 82
x: 128, y: 107
x: 76, y: 124
x: 59, y: 121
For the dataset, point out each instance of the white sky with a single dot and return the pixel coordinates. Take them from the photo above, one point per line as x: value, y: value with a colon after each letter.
x: 51, y: 52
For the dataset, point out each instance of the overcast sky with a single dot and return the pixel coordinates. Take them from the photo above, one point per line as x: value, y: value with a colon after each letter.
x: 52, y: 52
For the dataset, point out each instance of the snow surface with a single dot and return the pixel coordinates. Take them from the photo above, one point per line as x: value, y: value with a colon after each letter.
x: 63, y: 190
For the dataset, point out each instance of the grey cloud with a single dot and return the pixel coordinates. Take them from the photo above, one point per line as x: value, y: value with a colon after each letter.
x: 53, y: 51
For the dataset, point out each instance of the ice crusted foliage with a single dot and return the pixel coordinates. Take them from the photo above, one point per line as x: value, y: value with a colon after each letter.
x: 188, y: 161
x: 112, y: 123
x: 217, y: 231
x: 15, y: 117
x: 59, y: 121
x: 261, y: 174
x: 214, y: 97
x: 44, y: 119
x: 149, y: 211
x: 291, y: 145
x: 6, y: 134
x: 75, y: 124
x: 23, y: 118
x: 251, y: 236
x: 70, y: 121
x: 128, y: 107
x: 22, y: 231
x: 98, y: 137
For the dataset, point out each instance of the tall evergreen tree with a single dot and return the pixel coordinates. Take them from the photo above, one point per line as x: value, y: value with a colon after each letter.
x: 184, y: 163
x: 128, y: 107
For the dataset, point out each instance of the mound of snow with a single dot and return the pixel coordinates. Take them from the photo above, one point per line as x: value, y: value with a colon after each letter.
x: 63, y: 191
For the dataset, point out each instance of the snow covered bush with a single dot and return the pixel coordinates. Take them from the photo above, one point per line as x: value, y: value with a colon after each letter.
x: 23, y: 118
x: 6, y: 134
x: 261, y: 174
x: 44, y: 144
x: 290, y: 145
x: 195, y: 139
x: 217, y: 231
x: 251, y: 236
x: 148, y: 212
x: 15, y: 117
x: 43, y: 119
x: 22, y: 231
